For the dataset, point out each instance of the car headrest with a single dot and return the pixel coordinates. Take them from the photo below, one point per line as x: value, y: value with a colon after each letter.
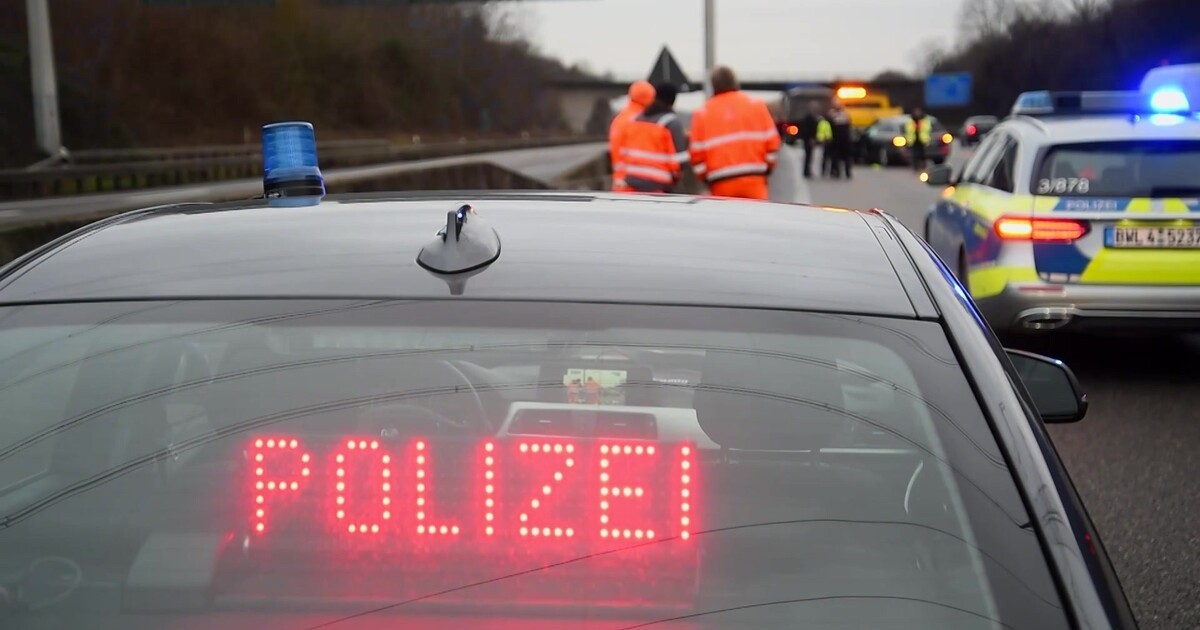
x: 768, y: 400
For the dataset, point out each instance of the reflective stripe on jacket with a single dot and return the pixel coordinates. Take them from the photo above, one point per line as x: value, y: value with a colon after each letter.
x: 911, y: 132
x: 652, y: 161
x: 615, y: 139
x: 733, y: 135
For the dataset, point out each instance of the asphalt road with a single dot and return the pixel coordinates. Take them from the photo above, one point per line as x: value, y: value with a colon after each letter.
x: 1134, y: 458
x: 549, y: 163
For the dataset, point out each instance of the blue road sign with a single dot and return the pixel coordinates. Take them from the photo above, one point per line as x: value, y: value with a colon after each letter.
x: 948, y: 90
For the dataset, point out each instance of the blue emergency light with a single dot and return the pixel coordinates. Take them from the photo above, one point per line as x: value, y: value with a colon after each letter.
x: 290, y: 161
x: 1173, y: 89
x: 1169, y: 100
x: 1166, y: 100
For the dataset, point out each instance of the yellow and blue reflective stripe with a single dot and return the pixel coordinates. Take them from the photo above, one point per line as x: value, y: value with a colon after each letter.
x: 991, y: 280
x: 1116, y: 204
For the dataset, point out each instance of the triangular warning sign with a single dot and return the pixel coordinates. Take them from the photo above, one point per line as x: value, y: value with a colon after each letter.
x: 667, y: 70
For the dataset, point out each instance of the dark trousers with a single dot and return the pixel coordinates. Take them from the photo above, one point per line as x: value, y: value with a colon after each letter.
x: 809, y: 147
x: 918, y: 156
x: 841, y: 159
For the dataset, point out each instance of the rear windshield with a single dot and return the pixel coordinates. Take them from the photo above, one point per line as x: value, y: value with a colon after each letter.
x: 499, y: 465
x: 1121, y: 169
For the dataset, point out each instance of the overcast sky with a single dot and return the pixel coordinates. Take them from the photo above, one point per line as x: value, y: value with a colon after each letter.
x: 758, y: 38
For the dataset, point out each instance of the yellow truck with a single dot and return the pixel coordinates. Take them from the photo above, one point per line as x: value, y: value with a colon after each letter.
x: 866, y: 106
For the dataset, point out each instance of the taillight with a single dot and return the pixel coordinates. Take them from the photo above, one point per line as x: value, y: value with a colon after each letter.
x: 793, y: 129
x: 1041, y: 230
x: 972, y: 129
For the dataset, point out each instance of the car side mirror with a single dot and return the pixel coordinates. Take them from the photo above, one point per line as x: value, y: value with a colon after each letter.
x: 938, y: 175
x: 1053, y: 386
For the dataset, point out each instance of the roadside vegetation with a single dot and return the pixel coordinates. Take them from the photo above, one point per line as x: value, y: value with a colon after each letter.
x: 154, y: 73
x: 1012, y: 46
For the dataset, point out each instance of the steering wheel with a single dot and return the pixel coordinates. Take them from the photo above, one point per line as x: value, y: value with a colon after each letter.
x: 430, y: 412
x: 48, y: 581
x: 480, y: 412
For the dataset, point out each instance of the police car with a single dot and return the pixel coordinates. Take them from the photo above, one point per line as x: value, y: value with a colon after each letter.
x: 523, y: 410
x: 1081, y: 210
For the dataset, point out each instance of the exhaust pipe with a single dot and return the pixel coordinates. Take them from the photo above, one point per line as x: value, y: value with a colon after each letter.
x: 1045, y: 318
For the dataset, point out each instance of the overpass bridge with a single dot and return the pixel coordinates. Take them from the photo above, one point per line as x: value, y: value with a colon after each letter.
x: 585, y: 103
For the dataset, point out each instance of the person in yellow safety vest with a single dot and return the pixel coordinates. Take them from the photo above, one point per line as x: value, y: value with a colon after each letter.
x: 824, y: 136
x: 641, y: 94
x: 918, y: 133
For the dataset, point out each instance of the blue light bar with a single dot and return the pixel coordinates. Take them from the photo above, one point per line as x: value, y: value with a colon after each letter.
x: 1131, y: 103
x: 290, y: 161
x: 1169, y: 100
x: 1169, y: 83
x: 1029, y: 103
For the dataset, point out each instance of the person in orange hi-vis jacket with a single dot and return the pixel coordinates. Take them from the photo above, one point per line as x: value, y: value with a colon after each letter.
x: 734, y: 142
x: 654, y: 149
x: 641, y: 94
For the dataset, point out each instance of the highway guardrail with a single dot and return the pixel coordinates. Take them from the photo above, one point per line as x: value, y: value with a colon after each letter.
x: 184, y: 168
x: 169, y: 154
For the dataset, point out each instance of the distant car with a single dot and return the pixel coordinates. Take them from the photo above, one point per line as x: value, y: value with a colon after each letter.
x: 1078, y: 212
x: 976, y: 128
x: 884, y: 143
x: 300, y: 410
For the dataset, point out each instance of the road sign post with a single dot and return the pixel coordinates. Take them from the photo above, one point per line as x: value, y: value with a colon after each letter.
x: 948, y: 89
x: 45, y: 89
x: 710, y: 55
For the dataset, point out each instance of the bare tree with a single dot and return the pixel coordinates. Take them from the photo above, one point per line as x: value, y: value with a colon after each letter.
x: 927, y: 55
x: 1088, y: 10
x: 983, y: 19
x: 509, y: 21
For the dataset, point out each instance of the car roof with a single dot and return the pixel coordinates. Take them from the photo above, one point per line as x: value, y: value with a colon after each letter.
x: 1101, y: 128
x: 556, y: 246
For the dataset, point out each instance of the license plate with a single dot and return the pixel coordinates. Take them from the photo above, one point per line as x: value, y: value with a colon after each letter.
x: 1153, y: 237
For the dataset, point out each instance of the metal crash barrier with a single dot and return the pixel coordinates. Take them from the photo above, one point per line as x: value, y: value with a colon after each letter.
x: 111, y: 171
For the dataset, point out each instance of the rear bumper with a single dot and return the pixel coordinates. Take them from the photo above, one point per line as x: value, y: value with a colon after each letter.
x: 1040, y: 307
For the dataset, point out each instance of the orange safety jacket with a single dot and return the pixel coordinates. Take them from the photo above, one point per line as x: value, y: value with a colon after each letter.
x: 641, y: 94
x: 652, y: 161
x: 616, y: 137
x: 733, y: 135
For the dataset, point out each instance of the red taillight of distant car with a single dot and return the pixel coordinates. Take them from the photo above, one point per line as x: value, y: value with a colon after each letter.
x: 793, y: 130
x: 972, y: 130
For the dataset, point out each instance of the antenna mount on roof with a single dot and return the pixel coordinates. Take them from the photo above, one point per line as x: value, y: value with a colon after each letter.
x: 465, y: 245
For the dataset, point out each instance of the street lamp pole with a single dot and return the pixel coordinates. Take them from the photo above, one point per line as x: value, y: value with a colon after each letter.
x: 45, y: 89
x: 709, y: 44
